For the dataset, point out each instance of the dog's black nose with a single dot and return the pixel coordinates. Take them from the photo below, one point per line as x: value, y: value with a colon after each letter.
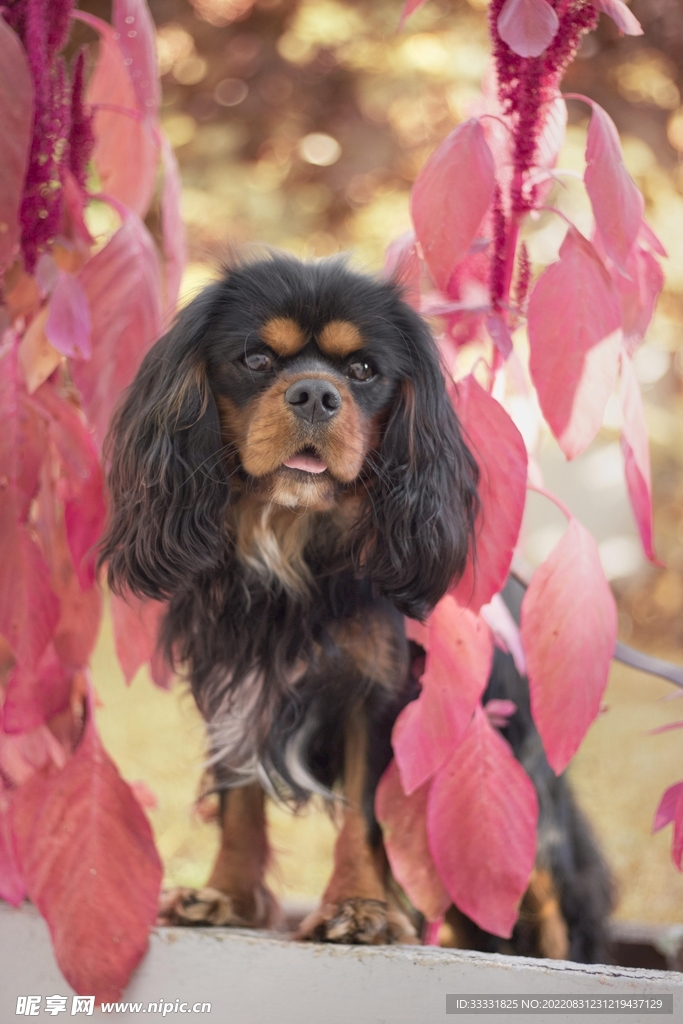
x: 313, y: 399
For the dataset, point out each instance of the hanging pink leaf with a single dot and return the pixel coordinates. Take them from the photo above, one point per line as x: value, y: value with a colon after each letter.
x: 126, y: 152
x: 620, y: 15
x: 404, y: 831
x: 569, y: 642
x: 666, y: 812
x: 83, y: 491
x: 12, y: 888
x: 136, y: 633
x: 172, y: 225
x: 450, y: 198
x: 409, y: 7
x: 122, y: 283
x: 23, y: 754
x: 638, y: 292
x: 481, y: 820
x: 68, y: 322
x: 505, y: 630
x: 402, y: 265
x: 616, y: 200
x: 82, y: 842
x: 499, y: 449
x: 527, y: 26
x: 574, y: 336
x: 16, y: 130
x: 137, y: 40
x: 636, y: 451
x: 456, y: 672
x: 36, y: 694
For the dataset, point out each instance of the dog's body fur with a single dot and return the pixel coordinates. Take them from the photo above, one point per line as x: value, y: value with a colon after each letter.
x: 288, y: 472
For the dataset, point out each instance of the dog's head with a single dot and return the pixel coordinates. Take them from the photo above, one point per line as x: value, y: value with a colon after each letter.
x: 304, y: 386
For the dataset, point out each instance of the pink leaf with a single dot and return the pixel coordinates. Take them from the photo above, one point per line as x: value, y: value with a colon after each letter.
x: 451, y: 197
x: 499, y: 449
x: 481, y: 820
x: 500, y: 334
x: 172, y: 224
x: 617, y: 203
x: 527, y: 26
x: 574, y: 337
x: 666, y: 812
x: 636, y: 451
x: 87, y: 853
x: 402, y: 265
x: 12, y: 888
x: 68, y: 321
x: 456, y: 672
x: 569, y: 642
x: 16, y: 130
x: 22, y: 755
x: 404, y: 831
x: 638, y: 293
x: 409, y: 7
x: 34, y: 695
x: 84, y: 506
x: 649, y: 238
x: 126, y: 151
x: 505, y: 630
x: 122, y: 283
x: 620, y: 15
x: 136, y: 632
x: 137, y: 39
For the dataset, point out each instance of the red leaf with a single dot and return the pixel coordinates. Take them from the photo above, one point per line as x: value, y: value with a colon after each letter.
x: 481, y: 819
x: 620, y: 15
x: 83, y: 494
x: 574, y: 337
x: 12, y: 888
x: 136, y: 632
x: 569, y: 642
x: 456, y: 672
x: 68, y: 322
x: 122, y: 282
x: 34, y: 695
x: 87, y: 854
x: 451, y: 197
x: 404, y: 831
x: 16, y: 131
x: 137, y: 39
x: 172, y: 224
x: 126, y: 152
x: 666, y: 812
x: 617, y: 203
x: 636, y: 451
x: 499, y: 449
x: 527, y: 26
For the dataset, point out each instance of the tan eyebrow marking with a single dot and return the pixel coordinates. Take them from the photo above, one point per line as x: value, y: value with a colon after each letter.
x: 340, y: 338
x: 283, y: 335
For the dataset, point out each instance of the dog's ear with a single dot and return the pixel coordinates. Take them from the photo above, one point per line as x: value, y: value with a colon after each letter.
x: 168, y: 484
x: 418, y: 525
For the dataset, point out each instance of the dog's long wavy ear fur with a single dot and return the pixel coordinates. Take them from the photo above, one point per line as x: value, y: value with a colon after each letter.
x: 419, y: 521
x: 168, y: 484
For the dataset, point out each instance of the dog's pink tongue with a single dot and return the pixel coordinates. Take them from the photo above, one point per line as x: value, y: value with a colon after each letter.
x: 306, y: 463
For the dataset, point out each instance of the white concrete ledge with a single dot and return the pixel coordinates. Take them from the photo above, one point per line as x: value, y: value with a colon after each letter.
x: 256, y: 978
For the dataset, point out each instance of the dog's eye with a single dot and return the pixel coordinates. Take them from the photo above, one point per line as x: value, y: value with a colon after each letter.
x: 360, y: 371
x: 258, y: 361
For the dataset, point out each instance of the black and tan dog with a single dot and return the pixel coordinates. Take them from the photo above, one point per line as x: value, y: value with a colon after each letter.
x: 288, y: 472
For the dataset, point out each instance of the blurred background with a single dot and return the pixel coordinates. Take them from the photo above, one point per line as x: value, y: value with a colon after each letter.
x: 302, y: 124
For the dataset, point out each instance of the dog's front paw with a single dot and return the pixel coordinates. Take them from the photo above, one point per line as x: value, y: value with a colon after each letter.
x: 208, y: 906
x: 361, y: 922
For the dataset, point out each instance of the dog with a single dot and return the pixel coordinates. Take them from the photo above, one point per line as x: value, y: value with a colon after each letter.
x: 288, y: 473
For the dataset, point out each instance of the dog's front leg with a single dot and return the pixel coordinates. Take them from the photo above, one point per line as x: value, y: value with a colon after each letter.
x: 354, y: 907
x: 235, y: 894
